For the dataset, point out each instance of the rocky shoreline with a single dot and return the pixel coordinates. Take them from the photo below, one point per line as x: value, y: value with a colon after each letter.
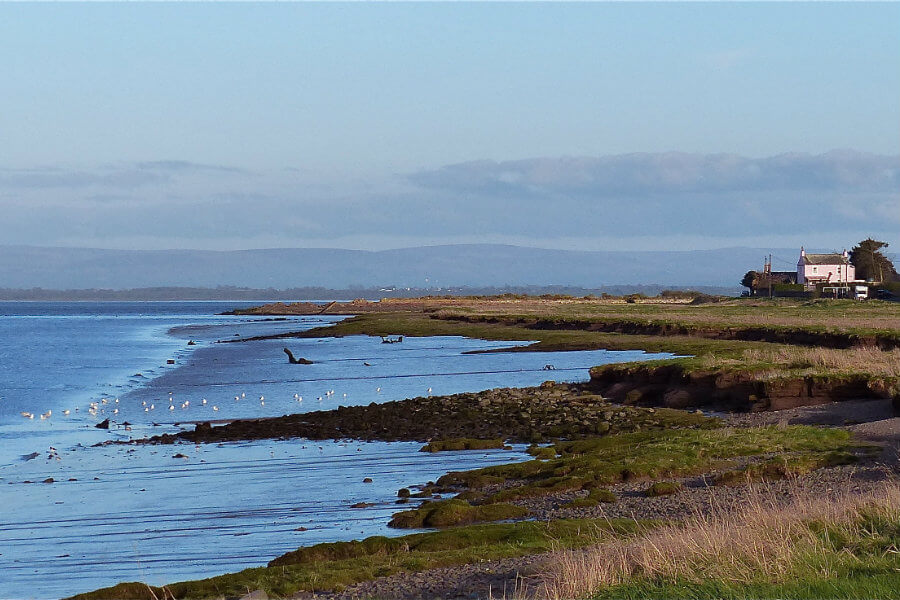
x: 514, y: 577
x: 646, y: 402
x: 526, y: 415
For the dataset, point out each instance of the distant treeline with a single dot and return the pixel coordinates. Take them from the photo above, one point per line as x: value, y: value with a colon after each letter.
x: 321, y: 293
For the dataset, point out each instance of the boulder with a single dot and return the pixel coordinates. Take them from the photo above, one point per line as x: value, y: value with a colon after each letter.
x: 677, y: 398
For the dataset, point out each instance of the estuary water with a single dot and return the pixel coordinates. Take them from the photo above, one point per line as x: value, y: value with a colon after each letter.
x: 75, y: 516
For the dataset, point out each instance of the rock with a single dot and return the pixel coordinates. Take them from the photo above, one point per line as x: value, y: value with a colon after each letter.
x: 618, y: 390
x: 677, y: 398
x: 179, y: 455
x: 49, y: 480
x: 367, y: 480
x: 203, y: 428
x: 104, y: 424
x: 633, y: 397
x: 361, y: 505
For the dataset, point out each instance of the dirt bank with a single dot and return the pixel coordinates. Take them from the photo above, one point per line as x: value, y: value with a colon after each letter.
x: 673, y: 386
x: 748, y: 333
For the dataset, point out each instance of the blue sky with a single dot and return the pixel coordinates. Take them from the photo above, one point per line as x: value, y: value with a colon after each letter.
x: 362, y: 125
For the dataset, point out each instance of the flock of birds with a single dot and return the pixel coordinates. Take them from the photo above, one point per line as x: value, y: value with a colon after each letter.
x: 96, y: 409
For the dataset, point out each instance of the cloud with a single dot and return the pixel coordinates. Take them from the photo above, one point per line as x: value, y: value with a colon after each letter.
x: 59, y: 178
x: 183, y: 166
x: 639, y: 175
x: 109, y: 177
x: 612, y: 199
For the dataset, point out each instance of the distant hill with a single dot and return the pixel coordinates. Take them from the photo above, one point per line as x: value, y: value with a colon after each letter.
x: 429, y: 267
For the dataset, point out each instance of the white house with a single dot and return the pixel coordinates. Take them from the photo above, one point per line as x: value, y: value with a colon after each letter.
x: 824, y: 268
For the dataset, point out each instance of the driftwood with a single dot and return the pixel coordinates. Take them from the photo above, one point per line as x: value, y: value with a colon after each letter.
x: 296, y: 361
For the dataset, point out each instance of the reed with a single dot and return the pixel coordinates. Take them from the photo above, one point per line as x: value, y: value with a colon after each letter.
x: 768, y: 541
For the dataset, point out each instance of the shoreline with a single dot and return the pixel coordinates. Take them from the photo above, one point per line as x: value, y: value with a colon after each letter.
x: 788, y: 450
x: 522, y: 415
x: 700, y: 493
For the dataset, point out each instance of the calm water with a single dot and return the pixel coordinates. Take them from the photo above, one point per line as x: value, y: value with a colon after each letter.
x: 136, y: 513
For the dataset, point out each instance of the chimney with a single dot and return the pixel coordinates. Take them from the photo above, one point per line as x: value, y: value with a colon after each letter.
x: 802, y: 251
x: 846, y: 254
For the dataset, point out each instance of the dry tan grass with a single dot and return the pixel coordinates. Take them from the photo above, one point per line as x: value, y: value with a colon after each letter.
x: 800, y: 360
x: 853, y: 360
x: 766, y: 538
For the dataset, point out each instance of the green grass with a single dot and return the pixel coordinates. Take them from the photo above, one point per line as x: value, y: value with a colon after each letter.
x: 333, y: 566
x: 664, y: 488
x: 883, y: 583
x: 595, y: 497
x: 449, y: 513
x: 545, y: 340
x: 781, y: 467
x: 856, y: 561
x: 583, y: 464
x: 817, y: 546
x: 694, y: 353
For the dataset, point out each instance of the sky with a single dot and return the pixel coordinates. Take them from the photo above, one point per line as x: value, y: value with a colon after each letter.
x: 589, y: 126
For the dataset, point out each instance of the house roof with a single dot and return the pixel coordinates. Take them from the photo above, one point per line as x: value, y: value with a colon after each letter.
x: 825, y: 259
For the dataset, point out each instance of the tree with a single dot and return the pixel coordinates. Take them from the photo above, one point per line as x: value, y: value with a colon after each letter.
x: 750, y: 279
x: 870, y: 263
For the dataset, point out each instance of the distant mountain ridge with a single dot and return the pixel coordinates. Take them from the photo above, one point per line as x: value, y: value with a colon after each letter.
x: 422, y: 267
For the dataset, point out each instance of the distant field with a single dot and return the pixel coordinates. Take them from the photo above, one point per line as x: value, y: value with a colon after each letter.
x: 836, y: 315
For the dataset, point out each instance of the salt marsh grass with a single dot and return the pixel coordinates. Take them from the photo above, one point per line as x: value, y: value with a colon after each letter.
x: 768, y: 542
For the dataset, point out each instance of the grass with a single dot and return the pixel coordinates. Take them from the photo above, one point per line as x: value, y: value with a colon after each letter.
x: 814, y: 547
x: 334, y: 566
x: 849, y: 586
x: 544, y: 340
x: 595, y: 497
x: 449, y: 513
x: 821, y: 315
x: 679, y: 336
x: 597, y: 462
x: 806, y: 361
x: 664, y: 488
x: 782, y: 467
